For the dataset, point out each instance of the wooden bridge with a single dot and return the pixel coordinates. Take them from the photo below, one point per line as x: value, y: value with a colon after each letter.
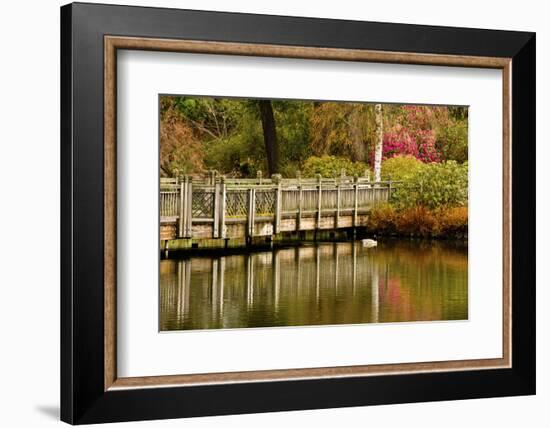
x: 215, y: 211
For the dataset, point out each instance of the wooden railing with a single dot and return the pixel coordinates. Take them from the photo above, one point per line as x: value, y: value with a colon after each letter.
x: 219, y: 201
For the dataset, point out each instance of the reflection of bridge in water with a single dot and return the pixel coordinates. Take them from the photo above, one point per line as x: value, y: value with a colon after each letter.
x: 330, y: 283
x: 219, y: 212
x: 316, y: 284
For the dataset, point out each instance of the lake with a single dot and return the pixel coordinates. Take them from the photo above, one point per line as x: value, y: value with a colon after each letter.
x: 316, y: 284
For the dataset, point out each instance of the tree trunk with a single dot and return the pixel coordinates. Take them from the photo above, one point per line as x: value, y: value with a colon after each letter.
x: 379, y: 142
x: 270, y: 135
x: 355, y: 134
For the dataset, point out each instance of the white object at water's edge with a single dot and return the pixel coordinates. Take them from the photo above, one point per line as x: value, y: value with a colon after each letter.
x: 369, y: 243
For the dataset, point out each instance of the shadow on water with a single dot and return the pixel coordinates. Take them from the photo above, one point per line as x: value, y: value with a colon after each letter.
x: 316, y: 284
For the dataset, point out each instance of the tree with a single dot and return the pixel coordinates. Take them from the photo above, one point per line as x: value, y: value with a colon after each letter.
x: 356, y: 134
x: 270, y: 135
x: 181, y: 152
x: 342, y: 129
x: 379, y: 142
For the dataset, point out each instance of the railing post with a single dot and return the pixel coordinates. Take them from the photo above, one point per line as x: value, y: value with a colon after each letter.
x: 184, y: 206
x: 278, y: 202
x: 299, y: 219
x: 183, y: 195
x: 355, y: 199
x: 259, y: 176
x: 337, y: 217
x: 223, y: 190
x: 319, y: 199
x: 369, y: 197
x: 189, y: 209
x: 251, y: 210
x: 216, y: 213
x: 389, y: 189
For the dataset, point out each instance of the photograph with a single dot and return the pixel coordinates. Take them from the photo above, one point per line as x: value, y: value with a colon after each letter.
x: 289, y: 213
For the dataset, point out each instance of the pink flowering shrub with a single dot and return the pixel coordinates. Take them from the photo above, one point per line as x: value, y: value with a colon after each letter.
x: 413, y: 136
x: 427, y: 151
x: 399, y: 142
x: 402, y: 142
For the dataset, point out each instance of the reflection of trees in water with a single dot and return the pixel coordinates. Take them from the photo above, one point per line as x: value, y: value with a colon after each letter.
x: 329, y: 283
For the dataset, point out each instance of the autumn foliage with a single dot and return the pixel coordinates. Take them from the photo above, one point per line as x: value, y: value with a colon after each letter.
x: 419, y: 222
x: 180, y: 149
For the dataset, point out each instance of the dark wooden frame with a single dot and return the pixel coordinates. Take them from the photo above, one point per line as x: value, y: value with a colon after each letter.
x: 90, y: 35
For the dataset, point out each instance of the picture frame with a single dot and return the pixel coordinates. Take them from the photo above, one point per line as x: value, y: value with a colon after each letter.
x: 91, y: 35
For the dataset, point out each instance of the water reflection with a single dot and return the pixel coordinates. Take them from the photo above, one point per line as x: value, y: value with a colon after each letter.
x: 324, y: 283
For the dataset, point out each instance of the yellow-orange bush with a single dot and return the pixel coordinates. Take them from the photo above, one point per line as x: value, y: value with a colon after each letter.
x: 453, y: 221
x: 382, y: 219
x: 419, y: 221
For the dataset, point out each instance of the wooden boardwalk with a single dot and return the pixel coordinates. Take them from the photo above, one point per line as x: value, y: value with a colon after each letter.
x: 216, y: 207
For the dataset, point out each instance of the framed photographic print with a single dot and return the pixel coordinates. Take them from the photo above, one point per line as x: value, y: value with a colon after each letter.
x: 265, y: 213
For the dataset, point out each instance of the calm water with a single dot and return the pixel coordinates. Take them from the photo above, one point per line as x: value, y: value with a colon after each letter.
x: 315, y: 284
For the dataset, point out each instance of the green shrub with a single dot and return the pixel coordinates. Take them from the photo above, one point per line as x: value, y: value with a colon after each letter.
x: 400, y: 167
x: 239, y: 156
x: 452, y: 141
x: 332, y: 166
x: 434, y: 185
